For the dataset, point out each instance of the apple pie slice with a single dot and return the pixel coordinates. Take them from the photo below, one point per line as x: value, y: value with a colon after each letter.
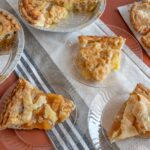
x: 133, y: 119
x: 98, y: 56
x: 30, y: 108
x: 8, y: 28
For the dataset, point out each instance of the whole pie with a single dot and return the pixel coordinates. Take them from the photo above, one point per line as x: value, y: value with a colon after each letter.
x: 44, y: 13
x: 8, y: 29
x: 133, y: 119
x: 140, y: 17
x: 28, y: 108
x: 146, y: 40
x: 98, y: 56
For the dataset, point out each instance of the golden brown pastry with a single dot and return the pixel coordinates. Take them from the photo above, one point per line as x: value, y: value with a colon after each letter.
x: 29, y: 108
x: 44, y: 13
x: 8, y: 28
x: 133, y: 119
x: 140, y: 17
x: 146, y: 40
x: 98, y: 56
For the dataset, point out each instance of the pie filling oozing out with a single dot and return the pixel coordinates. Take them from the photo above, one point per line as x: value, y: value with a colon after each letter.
x: 28, y: 108
x: 140, y: 17
x: 133, y: 119
x: 8, y: 29
x: 98, y: 56
x: 45, y: 13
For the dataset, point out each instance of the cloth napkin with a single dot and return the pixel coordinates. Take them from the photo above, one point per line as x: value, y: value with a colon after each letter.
x: 45, y: 63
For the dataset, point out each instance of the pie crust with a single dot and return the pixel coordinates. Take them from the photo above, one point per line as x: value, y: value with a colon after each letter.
x: 140, y: 17
x: 133, y: 119
x: 98, y: 56
x: 8, y: 28
x: 49, y: 12
x: 29, y: 108
x: 146, y: 40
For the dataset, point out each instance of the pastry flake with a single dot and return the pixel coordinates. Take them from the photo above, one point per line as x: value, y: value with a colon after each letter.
x: 30, y: 108
x: 98, y: 56
x: 8, y: 29
x: 140, y: 17
x: 133, y: 119
x: 146, y: 40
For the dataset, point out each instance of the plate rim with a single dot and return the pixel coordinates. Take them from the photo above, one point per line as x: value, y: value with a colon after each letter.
x: 19, y: 51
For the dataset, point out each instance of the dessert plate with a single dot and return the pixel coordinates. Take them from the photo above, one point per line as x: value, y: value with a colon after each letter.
x: 9, y: 60
x: 101, y: 113
x: 32, y: 139
x: 114, y: 77
x: 74, y: 22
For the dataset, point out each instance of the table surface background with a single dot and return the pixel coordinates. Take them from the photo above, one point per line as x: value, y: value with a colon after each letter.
x: 110, y: 13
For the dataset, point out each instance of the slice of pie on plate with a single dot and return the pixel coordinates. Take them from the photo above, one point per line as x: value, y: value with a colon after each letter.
x: 28, y: 108
x: 146, y: 40
x: 140, y: 17
x: 78, y: 5
x: 133, y: 119
x: 8, y: 28
x: 98, y: 56
x: 50, y: 12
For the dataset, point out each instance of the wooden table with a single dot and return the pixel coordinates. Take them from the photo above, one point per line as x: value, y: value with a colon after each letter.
x: 110, y: 13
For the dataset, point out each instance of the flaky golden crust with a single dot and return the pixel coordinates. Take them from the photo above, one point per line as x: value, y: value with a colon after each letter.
x: 28, y: 108
x: 45, y: 13
x: 7, y: 24
x: 98, y: 56
x: 8, y: 29
x: 146, y: 40
x: 133, y: 118
x: 139, y: 17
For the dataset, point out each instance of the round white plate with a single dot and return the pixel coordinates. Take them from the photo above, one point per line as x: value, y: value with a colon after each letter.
x: 101, y: 115
x: 114, y: 78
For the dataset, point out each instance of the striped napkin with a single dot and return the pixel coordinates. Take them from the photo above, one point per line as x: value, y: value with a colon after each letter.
x: 45, y: 63
x: 66, y: 135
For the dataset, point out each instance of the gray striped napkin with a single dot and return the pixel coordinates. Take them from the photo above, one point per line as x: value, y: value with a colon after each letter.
x: 66, y: 135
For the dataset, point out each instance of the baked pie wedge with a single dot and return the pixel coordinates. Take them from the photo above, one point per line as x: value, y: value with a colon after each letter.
x: 8, y: 29
x: 146, y: 40
x: 29, y: 108
x: 133, y: 119
x: 98, y: 56
x: 140, y: 17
